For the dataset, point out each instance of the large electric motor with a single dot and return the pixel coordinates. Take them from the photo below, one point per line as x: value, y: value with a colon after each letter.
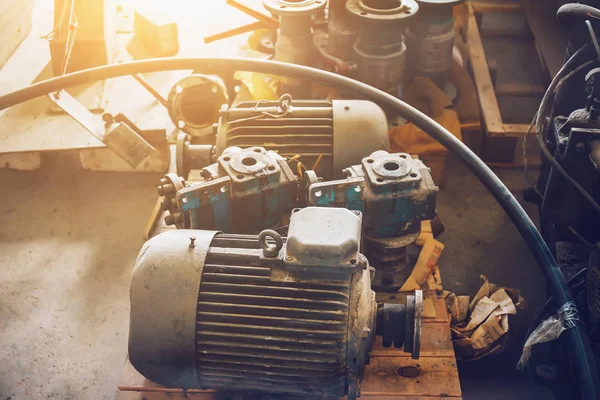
x: 263, y: 313
x: 328, y: 136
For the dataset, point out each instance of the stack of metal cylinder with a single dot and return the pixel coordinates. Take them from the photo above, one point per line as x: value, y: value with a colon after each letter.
x: 379, y: 42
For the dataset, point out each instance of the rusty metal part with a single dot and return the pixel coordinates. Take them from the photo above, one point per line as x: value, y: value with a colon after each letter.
x: 190, y: 156
x: 335, y: 44
x: 394, y: 257
x: 400, y: 324
x: 194, y: 103
x: 395, y: 192
x: 295, y: 41
x: 341, y: 31
x: 245, y: 318
x: 430, y: 40
x: 169, y: 185
x: 245, y: 191
x: 340, y: 132
x: 379, y: 47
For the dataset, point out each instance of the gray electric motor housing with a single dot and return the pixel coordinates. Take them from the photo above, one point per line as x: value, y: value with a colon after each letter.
x: 247, y: 312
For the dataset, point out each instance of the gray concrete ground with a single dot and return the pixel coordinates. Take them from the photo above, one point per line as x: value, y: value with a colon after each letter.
x: 69, y: 238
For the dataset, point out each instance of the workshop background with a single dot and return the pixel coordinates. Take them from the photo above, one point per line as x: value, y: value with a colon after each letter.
x: 69, y: 238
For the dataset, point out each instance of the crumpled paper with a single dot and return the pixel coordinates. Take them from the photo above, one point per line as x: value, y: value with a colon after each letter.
x: 480, y: 327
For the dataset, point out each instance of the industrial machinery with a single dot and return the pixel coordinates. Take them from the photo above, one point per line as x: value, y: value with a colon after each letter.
x: 292, y: 316
x: 430, y: 40
x: 327, y: 135
x: 294, y: 40
x: 245, y: 191
x: 395, y: 192
x: 379, y: 48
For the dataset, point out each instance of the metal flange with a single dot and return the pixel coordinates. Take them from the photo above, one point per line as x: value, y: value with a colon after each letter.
x: 293, y: 8
x: 383, y: 10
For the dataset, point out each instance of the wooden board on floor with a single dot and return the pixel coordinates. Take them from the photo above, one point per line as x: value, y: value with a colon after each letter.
x: 390, y: 375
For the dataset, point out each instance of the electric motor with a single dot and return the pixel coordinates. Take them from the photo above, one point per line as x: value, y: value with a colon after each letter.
x: 327, y: 135
x: 293, y: 316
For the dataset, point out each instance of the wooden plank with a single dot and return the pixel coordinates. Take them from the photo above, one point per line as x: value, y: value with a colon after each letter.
x: 495, y: 6
x: 144, y: 395
x: 490, y: 110
x: 516, y: 130
x: 550, y: 37
x: 519, y: 90
x: 434, y: 377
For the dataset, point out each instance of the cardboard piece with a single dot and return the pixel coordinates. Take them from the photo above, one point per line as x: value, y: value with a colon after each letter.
x: 481, y: 328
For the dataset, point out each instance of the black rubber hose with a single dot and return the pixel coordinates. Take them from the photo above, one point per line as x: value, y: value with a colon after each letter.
x: 584, y: 360
x: 572, y: 15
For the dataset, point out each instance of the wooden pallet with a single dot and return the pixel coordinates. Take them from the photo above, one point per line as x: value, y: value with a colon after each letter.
x: 388, y: 376
x: 490, y: 110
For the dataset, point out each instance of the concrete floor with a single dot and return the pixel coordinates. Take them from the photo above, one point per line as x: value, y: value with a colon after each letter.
x: 69, y: 238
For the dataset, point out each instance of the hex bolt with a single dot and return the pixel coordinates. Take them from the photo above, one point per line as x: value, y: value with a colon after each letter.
x: 192, y: 241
